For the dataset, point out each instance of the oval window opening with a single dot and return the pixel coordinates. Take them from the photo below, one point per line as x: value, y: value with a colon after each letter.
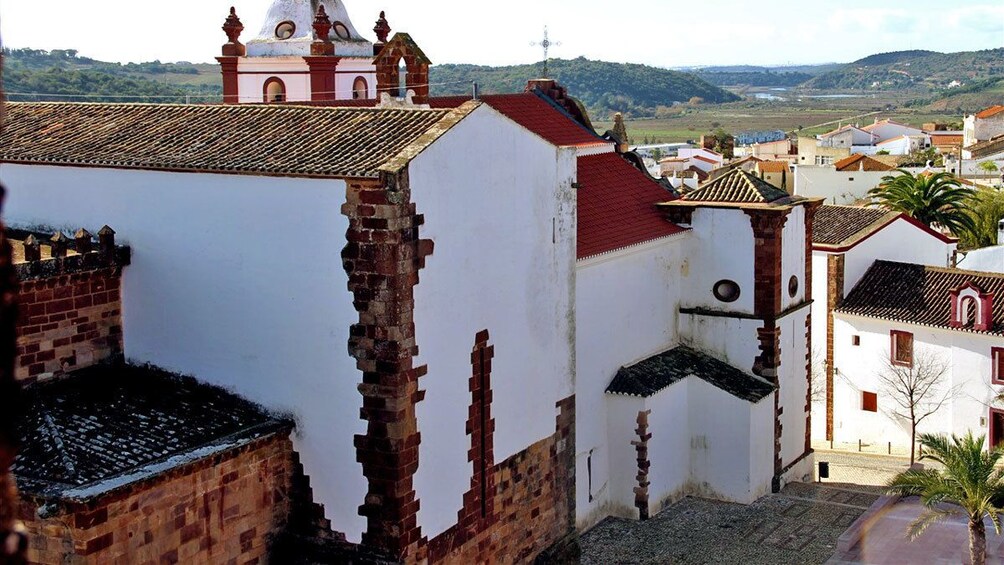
x: 285, y: 29
x: 793, y: 286
x: 726, y: 290
x: 341, y: 31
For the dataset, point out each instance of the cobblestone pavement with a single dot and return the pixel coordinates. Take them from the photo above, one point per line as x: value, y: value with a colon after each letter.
x: 799, y: 525
x: 862, y: 468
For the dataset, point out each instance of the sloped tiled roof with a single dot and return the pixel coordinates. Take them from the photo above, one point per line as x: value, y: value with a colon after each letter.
x: 107, y: 427
x: 919, y: 294
x: 651, y: 375
x: 840, y: 130
x: 843, y: 225
x: 265, y: 139
x: 616, y: 206
x: 886, y: 121
x: 859, y: 161
x: 987, y: 148
x: 774, y: 166
x: 737, y: 186
x: 535, y: 112
x: 990, y: 112
x: 946, y: 139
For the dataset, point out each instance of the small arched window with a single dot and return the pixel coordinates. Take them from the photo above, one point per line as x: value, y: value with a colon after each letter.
x: 274, y: 90
x: 360, y: 90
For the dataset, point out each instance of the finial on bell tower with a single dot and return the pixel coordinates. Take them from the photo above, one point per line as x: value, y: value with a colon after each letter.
x: 382, y: 29
x: 322, y: 44
x: 233, y: 28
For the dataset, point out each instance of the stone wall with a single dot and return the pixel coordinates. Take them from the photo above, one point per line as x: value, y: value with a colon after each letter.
x: 67, y: 322
x: 220, y: 509
x: 534, y: 504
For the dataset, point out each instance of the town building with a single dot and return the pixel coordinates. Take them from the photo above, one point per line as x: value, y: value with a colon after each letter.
x: 846, y: 181
x: 446, y: 357
x: 984, y: 125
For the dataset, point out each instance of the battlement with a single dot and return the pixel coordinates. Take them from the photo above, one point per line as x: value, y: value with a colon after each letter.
x: 38, y: 255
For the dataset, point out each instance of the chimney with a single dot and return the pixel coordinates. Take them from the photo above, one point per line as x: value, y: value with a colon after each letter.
x: 620, y: 134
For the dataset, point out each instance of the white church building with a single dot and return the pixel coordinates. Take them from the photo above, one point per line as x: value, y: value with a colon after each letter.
x: 490, y: 328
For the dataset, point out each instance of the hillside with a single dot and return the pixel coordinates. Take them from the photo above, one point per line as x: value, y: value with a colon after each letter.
x: 602, y: 87
x: 753, y: 78
x: 921, y: 71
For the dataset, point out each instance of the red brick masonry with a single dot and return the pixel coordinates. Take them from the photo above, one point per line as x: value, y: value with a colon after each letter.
x: 68, y: 322
x: 220, y: 510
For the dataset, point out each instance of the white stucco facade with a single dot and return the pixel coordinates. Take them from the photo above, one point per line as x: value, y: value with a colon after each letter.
x: 522, y: 292
x: 237, y: 280
x: 966, y: 356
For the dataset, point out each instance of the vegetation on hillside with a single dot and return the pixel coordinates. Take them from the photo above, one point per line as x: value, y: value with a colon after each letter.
x: 922, y: 70
x: 604, y: 88
x: 758, y: 78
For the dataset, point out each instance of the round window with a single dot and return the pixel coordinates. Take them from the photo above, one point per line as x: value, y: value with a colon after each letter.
x: 285, y: 29
x: 726, y: 290
x: 341, y: 31
x: 793, y: 286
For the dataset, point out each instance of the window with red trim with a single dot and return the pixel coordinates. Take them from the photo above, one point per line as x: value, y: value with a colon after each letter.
x: 901, y: 348
x: 869, y: 401
x: 997, y: 365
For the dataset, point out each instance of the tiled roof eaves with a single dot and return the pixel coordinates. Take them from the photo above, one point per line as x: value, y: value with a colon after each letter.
x: 843, y: 312
x: 873, y: 229
x: 412, y: 150
x: 154, y: 470
x: 591, y: 258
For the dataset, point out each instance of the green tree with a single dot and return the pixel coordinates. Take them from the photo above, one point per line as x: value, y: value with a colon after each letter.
x: 931, y: 198
x: 985, y: 209
x: 970, y: 481
x: 657, y: 154
x: 988, y: 166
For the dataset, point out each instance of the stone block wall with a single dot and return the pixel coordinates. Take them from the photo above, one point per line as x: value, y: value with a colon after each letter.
x: 221, y: 509
x: 68, y: 321
x: 534, y: 504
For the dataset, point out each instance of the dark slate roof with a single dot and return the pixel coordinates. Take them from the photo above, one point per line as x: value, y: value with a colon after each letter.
x: 262, y: 139
x: 919, y: 294
x: 616, y: 206
x: 737, y: 186
x: 651, y: 375
x: 842, y: 225
x: 106, y: 427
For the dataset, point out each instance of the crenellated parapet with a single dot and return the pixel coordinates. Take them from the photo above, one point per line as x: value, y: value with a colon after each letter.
x: 38, y: 255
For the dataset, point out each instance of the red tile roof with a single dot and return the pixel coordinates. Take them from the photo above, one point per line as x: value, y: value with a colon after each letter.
x: 616, y: 205
x: 942, y: 139
x: 773, y: 167
x: 705, y: 159
x: 861, y: 162
x: 989, y: 112
x: 534, y: 113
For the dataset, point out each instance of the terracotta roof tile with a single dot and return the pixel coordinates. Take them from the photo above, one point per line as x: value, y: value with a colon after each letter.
x: 737, y: 186
x: 536, y: 113
x: 990, y: 112
x: 107, y: 426
x: 987, y: 148
x: 705, y: 159
x: 843, y: 225
x: 774, y: 166
x: 261, y: 139
x: 651, y: 375
x: 919, y: 294
x: 858, y: 162
x: 616, y: 206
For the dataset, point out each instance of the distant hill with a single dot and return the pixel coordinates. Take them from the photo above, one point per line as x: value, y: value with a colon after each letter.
x: 71, y: 77
x: 753, y: 78
x: 811, y: 70
x: 601, y: 86
x: 921, y: 71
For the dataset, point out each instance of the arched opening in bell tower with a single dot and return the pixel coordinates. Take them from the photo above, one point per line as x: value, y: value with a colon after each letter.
x: 274, y: 90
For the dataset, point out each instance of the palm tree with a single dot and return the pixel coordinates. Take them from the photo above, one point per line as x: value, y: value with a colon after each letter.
x: 969, y: 480
x: 932, y: 198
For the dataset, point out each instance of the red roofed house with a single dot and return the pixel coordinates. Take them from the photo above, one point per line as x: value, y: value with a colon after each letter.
x: 490, y: 328
x: 983, y: 126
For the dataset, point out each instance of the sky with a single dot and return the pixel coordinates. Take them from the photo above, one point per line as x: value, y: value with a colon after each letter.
x: 661, y: 33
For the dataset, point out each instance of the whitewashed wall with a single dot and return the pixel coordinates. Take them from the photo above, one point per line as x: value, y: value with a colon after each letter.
x: 252, y: 74
x: 899, y: 241
x: 837, y: 187
x: 721, y: 248
x: 669, y: 449
x: 794, y: 385
x: 494, y: 267
x: 236, y: 280
x: 889, y: 130
x: 626, y: 310
x: 968, y: 357
x: 622, y: 414
x: 793, y: 257
x: 347, y: 72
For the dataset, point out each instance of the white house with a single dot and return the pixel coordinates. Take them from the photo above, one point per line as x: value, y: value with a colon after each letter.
x: 883, y: 130
x: 983, y: 125
x: 846, y: 241
x: 844, y: 182
x: 920, y: 320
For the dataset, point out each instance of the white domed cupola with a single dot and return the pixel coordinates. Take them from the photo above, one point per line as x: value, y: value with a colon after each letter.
x: 288, y: 30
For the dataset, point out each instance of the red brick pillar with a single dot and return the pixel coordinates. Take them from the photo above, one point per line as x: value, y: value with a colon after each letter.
x: 382, y: 258
x: 322, y: 77
x: 834, y: 296
x: 768, y: 225
x: 228, y: 67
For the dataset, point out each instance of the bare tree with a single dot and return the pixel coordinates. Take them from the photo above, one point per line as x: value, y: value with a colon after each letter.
x: 917, y: 389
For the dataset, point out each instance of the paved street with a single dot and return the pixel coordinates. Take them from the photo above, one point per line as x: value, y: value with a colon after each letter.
x: 799, y: 525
